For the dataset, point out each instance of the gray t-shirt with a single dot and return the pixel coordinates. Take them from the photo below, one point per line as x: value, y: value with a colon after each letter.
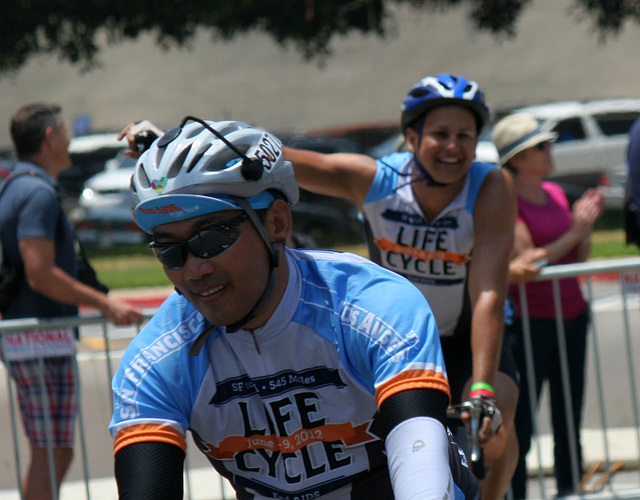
x: 30, y: 207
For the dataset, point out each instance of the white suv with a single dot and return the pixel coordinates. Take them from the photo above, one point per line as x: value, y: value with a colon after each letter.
x: 592, y: 138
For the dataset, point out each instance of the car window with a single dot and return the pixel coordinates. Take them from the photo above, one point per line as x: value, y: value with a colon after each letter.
x: 569, y: 130
x: 616, y: 123
x: 124, y: 162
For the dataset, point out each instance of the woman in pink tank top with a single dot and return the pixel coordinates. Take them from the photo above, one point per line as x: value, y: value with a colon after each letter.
x: 548, y: 231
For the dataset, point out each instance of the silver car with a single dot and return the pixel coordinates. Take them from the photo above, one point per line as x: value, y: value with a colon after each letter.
x: 593, y: 137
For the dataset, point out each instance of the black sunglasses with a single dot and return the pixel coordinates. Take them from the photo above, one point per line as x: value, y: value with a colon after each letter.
x: 206, y: 243
x: 541, y: 146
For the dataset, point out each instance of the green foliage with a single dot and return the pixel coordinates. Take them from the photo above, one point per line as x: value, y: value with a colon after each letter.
x: 69, y: 28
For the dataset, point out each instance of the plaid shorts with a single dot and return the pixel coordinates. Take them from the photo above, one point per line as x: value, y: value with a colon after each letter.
x: 60, y: 382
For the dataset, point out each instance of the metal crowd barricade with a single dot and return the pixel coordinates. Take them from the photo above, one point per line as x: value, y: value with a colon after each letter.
x: 91, y: 475
x: 622, y: 284
x: 24, y: 348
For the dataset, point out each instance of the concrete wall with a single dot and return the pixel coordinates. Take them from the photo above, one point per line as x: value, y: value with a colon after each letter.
x: 253, y: 79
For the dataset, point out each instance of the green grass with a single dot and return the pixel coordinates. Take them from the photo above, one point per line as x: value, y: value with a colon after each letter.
x: 135, y: 266
x: 610, y: 244
x: 608, y: 238
x: 128, y: 267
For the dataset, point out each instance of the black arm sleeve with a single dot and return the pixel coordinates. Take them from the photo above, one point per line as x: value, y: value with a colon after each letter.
x: 149, y: 471
x: 413, y: 403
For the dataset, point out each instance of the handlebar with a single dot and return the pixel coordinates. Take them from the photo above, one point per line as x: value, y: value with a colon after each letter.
x: 476, y: 414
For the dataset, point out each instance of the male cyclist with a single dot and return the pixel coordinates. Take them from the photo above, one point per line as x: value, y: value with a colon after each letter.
x: 300, y: 374
x: 428, y: 211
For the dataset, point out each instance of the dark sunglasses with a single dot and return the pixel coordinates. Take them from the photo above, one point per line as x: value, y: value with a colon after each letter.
x: 206, y: 243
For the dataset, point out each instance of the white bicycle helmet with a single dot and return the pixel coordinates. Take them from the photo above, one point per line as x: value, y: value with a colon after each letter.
x: 203, y: 167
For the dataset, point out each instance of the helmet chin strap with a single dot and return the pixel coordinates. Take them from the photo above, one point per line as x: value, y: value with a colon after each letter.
x: 274, y: 253
x: 426, y: 177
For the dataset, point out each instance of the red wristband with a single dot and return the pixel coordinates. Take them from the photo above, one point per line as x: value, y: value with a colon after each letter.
x: 482, y: 392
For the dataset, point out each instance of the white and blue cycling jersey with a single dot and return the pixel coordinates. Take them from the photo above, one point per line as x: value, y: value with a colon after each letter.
x: 432, y: 254
x: 289, y: 409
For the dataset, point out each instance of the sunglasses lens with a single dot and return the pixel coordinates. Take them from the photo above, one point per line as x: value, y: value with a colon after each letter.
x: 211, y: 242
x: 205, y: 244
x: 172, y: 257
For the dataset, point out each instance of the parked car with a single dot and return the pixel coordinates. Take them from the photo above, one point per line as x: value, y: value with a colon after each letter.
x: 613, y: 186
x: 363, y: 135
x: 103, y: 216
x: 88, y: 156
x: 593, y: 137
x: 324, y: 218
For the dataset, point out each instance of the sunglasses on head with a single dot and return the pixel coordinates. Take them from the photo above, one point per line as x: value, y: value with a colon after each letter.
x: 206, y: 243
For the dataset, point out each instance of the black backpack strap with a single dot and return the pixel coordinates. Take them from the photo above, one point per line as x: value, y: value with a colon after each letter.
x: 6, y: 183
x: 26, y: 172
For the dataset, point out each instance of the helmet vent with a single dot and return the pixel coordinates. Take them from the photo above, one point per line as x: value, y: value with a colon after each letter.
x: 229, y: 127
x: 188, y: 134
x: 197, y: 157
x: 178, y: 162
x: 143, y: 178
x: 221, y: 161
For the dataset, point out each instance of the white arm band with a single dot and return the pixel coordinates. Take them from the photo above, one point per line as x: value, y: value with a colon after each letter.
x: 418, y: 456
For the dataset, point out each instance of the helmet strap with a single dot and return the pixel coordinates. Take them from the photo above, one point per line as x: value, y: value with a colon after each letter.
x: 426, y: 177
x: 274, y: 252
x: 272, y: 247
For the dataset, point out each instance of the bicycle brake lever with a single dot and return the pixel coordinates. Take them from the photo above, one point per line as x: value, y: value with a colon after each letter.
x: 475, y: 414
x: 476, y: 453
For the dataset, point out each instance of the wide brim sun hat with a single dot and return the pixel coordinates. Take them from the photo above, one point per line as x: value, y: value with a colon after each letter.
x: 517, y: 132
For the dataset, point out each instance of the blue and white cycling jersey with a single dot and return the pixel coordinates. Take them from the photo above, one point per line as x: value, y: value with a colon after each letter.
x: 294, y: 402
x: 433, y: 255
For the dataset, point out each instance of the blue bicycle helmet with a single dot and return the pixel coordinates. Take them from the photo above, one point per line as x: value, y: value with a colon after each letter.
x: 441, y: 90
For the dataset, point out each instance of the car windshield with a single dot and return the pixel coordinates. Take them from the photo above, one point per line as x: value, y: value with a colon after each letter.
x: 124, y: 162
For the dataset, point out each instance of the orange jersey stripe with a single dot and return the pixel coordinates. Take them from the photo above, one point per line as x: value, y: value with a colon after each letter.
x: 418, y: 253
x: 413, y: 379
x: 143, y: 433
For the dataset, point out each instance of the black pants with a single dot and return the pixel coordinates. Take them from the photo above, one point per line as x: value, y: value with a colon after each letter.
x: 546, y: 360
